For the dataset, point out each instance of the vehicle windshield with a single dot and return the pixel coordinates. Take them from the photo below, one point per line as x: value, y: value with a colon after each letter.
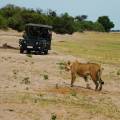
x: 38, y: 32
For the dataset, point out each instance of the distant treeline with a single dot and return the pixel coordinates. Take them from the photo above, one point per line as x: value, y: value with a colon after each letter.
x: 16, y: 17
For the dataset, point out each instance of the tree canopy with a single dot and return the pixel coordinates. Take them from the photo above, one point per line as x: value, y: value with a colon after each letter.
x: 16, y: 17
x: 106, y: 23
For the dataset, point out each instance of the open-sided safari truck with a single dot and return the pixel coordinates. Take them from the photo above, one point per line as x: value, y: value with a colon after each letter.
x: 36, y: 38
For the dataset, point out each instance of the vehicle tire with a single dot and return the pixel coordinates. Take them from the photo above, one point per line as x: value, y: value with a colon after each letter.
x: 45, y: 52
x: 21, y: 50
x: 28, y: 51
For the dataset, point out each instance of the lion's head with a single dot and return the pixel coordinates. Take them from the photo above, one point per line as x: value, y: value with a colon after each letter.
x: 68, y: 66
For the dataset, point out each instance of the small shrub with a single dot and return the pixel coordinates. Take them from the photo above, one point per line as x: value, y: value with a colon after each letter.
x: 11, y: 110
x: 73, y: 93
x: 118, y: 72
x: 3, y: 23
x: 26, y: 60
x: 56, y: 86
x: 26, y: 80
x: 45, y: 77
x: 27, y: 88
x: 61, y: 65
x: 29, y: 55
x: 40, y: 95
x: 35, y: 100
x: 15, y: 72
x: 53, y: 116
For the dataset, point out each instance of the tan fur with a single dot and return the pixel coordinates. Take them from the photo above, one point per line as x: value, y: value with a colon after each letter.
x: 84, y: 70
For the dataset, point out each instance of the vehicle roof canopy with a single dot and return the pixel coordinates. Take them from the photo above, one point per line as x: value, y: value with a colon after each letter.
x: 38, y: 25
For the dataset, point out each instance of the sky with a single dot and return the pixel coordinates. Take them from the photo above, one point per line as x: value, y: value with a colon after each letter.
x: 92, y: 8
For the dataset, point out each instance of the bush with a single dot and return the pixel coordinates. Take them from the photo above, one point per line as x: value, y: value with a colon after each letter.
x: 16, y: 23
x: 106, y: 22
x: 29, y: 55
x: 98, y: 27
x: 78, y: 27
x: 53, y: 116
x: 45, y: 77
x: 3, y: 23
x: 64, y: 24
x: 16, y: 17
x: 26, y: 80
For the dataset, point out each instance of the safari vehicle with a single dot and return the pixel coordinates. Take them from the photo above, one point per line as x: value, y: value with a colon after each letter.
x: 36, y: 38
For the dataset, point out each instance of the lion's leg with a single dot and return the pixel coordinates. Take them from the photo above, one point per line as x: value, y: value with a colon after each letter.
x: 99, y: 80
x: 96, y: 84
x: 87, y: 83
x: 101, y: 83
x: 73, y: 77
x: 100, y: 88
x: 95, y: 80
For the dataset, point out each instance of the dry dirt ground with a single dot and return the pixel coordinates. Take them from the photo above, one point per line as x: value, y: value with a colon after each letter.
x: 36, y: 87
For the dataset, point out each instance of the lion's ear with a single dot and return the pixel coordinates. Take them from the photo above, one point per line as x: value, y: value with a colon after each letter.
x: 68, y: 62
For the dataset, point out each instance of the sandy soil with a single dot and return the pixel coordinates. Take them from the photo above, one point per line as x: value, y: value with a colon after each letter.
x: 26, y: 93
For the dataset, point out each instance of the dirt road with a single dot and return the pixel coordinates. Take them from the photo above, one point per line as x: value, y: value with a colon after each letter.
x: 37, y: 87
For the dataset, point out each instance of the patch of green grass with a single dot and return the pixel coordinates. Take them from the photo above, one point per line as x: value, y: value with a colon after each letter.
x: 100, y: 47
x: 61, y: 65
x: 73, y: 93
x: 45, y: 75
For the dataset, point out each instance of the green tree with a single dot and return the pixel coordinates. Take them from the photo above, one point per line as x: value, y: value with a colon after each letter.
x: 81, y: 18
x: 10, y: 10
x: 3, y: 22
x: 78, y: 26
x: 105, y: 21
x: 16, y: 23
x: 16, y: 17
x: 64, y: 24
x: 88, y: 25
x: 52, y: 13
x: 98, y: 27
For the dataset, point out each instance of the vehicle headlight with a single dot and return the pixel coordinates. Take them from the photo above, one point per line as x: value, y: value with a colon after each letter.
x: 24, y: 42
x: 37, y: 43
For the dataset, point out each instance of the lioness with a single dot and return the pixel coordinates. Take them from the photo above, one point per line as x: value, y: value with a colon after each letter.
x: 84, y: 70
